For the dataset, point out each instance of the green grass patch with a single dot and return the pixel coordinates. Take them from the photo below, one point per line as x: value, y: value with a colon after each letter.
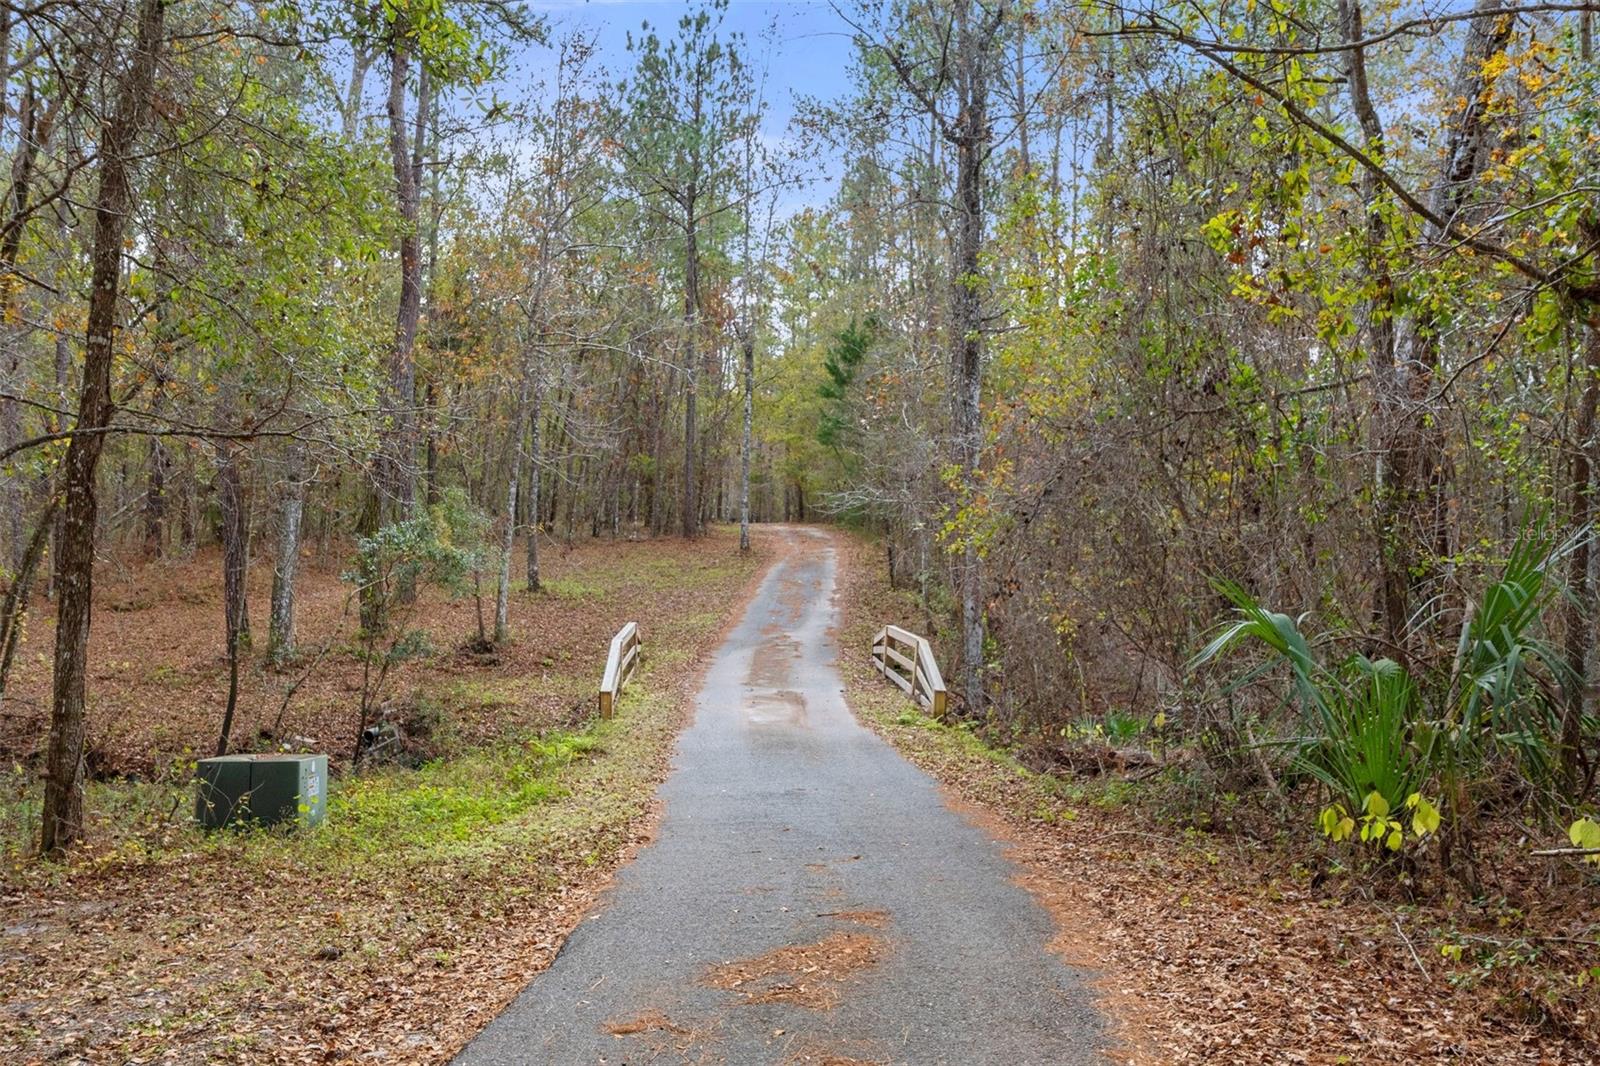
x: 574, y: 588
x: 465, y: 809
x: 452, y: 800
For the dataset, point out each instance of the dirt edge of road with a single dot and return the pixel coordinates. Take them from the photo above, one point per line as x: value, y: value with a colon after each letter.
x: 1204, y: 948
x: 683, y: 695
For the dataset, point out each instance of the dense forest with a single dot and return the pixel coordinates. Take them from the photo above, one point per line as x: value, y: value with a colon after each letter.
x: 1220, y: 377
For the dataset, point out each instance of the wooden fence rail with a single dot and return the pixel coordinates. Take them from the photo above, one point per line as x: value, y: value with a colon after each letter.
x: 907, y: 660
x: 626, y: 647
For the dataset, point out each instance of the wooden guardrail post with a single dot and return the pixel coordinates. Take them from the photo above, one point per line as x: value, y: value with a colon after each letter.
x: 907, y: 659
x: 621, y: 660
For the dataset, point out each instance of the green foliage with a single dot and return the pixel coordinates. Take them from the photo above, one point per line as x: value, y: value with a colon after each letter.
x: 469, y: 532
x: 391, y: 566
x: 405, y: 555
x: 1379, y: 738
x: 1585, y: 833
x: 685, y: 115
x: 453, y: 801
x: 1496, y: 698
x: 841, y: 365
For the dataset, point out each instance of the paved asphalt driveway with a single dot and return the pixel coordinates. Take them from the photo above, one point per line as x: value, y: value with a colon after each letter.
x: 809, y: 898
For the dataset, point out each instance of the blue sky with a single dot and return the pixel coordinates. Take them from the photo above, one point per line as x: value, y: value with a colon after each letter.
x: 807, y: 52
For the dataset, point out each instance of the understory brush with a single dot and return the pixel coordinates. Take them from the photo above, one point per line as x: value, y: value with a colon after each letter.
x: 1192, y: 835
x: 1409, y: 754
x: 378, y: 817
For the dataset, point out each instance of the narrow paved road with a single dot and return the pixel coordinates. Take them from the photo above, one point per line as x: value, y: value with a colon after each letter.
x: 809, y: 898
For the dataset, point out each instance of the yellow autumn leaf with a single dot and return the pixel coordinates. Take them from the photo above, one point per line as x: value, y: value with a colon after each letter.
x: 1424, y: 818
x: 1585, y: 833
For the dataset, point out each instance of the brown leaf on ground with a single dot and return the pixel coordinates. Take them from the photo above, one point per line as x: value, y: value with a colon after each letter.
x: 648, y: 1021
x: 1224, y: 946
x: 873, y: 918
x: 809, y: 1051
x: 806, y: 975
x: 186, y: 949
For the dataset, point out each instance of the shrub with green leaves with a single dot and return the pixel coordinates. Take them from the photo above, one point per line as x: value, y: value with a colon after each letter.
x: 1381, y: 740
x: 390, y: 566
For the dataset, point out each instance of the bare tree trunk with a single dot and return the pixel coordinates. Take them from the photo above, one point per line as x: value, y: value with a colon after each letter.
x: 286, y: 567
x: 691, y: 377
x: 1393, y: 579
x: 535, y: 462
x: 63, y: 381
x: 189, y: 517
x: 573, y: 479
x: 972, y: 144
x: 1421, y: 463
x: 1020, y: 57
x: 235, y: 566
x: 967, y: 72
x: 502, y: 596
x: 360, y: 63
x: 394, y: 475
x: 397, y: 478
x: 1580, y: 600
x: 748, y: 343
x: 155, y: 495
x: 14, y: 608
x: 62, y: 821
x: 430, y: 468
x: 30, y: 132
x: 658, y: 505
x: 11, y: 492
x: 1580, y: 620
x: 560, y: 436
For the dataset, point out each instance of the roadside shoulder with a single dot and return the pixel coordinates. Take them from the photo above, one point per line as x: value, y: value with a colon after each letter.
x: 1210, y: 946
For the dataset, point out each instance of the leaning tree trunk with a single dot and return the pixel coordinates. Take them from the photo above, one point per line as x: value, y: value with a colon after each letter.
x: 286, y: 568
x: 14, y: 607
x: 11, y: 493
x: 32, y: 131
x: 62, y: 820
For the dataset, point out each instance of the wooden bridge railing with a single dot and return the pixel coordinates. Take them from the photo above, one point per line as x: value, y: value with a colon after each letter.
x: 621, y: 661
x: 907, y: 660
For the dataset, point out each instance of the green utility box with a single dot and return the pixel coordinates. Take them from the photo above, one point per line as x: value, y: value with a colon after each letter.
x: 261, y: 789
